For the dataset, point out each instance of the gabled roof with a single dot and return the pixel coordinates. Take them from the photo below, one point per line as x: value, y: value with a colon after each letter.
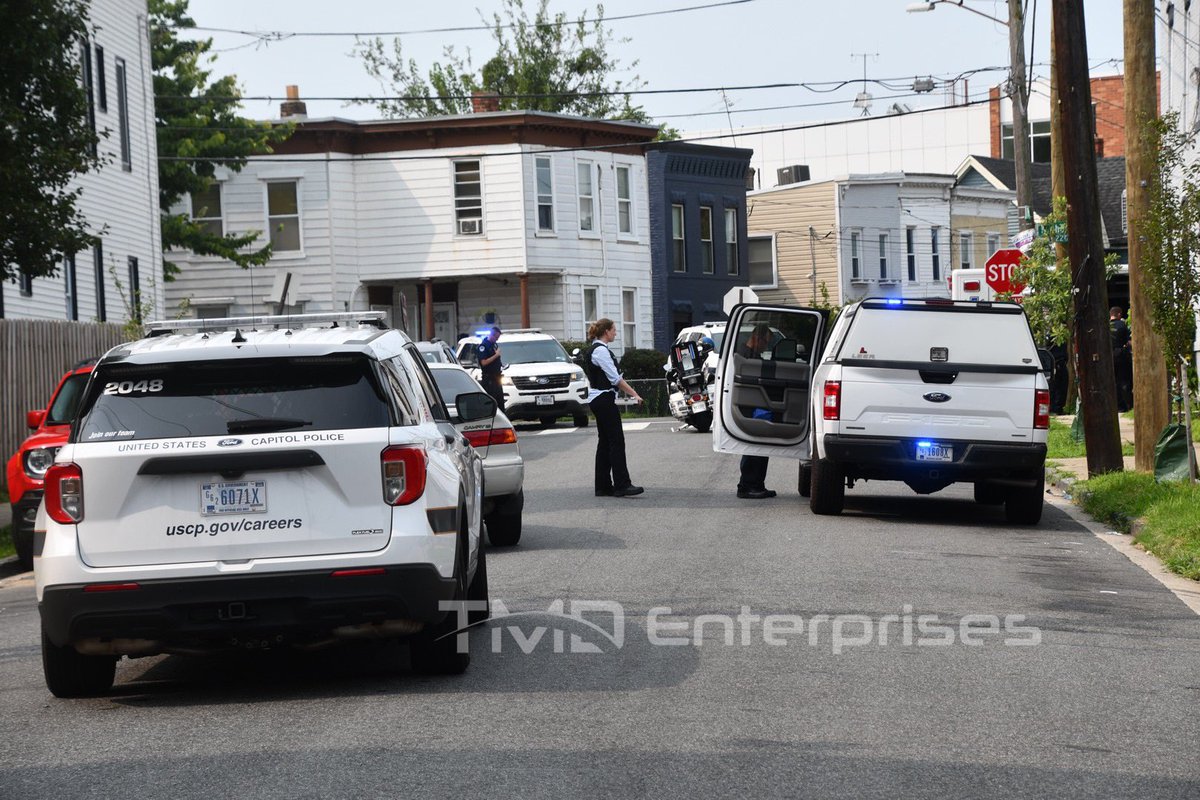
x: 999, y: 172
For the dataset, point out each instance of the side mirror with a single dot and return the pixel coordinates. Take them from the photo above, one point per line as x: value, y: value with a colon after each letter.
x: 1047, y: 361
x: 474, y: 405
x: 34, y: 418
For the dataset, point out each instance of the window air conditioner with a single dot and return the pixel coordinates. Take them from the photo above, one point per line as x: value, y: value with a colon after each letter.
x: 470, y: 226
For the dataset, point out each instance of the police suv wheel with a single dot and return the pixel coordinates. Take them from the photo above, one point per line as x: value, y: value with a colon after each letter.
x: 69, y: 673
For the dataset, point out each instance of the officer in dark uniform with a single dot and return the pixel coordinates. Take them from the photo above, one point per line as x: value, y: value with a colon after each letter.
x: 488, y: 355
x: 1122, y: 357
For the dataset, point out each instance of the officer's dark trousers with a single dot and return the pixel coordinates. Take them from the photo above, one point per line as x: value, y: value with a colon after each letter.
x: 612, y: 472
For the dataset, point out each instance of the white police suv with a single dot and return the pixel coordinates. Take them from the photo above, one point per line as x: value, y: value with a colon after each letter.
x: 259, y: 482
x: 540, y: 380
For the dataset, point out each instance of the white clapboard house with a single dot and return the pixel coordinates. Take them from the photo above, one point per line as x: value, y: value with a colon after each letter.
x: 120, y: 199
x: 518, y: 218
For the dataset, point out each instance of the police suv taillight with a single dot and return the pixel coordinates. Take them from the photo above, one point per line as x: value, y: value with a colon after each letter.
x: 64, y: 493
x: 1041, y: 409
x: 833, y: 399
x: 403, y: 468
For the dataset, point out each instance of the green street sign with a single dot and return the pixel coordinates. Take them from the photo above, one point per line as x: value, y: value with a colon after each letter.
x: 1058, y: 234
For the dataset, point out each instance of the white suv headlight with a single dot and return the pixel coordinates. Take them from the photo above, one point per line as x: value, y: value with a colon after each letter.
x: 578, y: 375
x: 37, y: 461
x: 505, y: 380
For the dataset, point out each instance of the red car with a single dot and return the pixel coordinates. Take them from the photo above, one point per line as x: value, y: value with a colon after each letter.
x: 25, y: 469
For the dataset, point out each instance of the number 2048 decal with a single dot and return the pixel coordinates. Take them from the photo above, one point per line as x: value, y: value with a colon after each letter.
x: 131, y: 387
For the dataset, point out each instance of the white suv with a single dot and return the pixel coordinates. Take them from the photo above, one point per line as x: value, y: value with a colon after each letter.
x: 540, y: 380
x: 259, y: 482
x: 925, y: 391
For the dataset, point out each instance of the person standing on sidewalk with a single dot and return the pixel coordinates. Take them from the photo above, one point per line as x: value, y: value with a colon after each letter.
x: 488, y: 355
x: 612, y: 471
x: 1122, y: 353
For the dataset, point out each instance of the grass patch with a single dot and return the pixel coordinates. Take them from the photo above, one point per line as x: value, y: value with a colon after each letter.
x: 1171, y: 511
x: 6, y: 542
x: 1059, y: 443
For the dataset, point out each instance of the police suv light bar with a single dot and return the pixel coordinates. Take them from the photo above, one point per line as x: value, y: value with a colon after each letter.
x: 373, y: 318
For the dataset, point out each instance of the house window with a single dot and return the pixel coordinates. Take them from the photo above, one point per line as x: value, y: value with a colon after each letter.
x: 761, y: 254
x: 135, y: 289
x: 101, y: 84
x: 123, y: 117
x: 587, y: 221
x: 964, y: 250
x: 206, y: 210
x: 591, y: 305
x: 70, y: 287
x: 545, y: 194
x: 993, y: 243
x: 910, y: 248
x: 624, y: 202
x: 679, y: 251
x: 934, y: 235
x: 731, y: 243
x: 98, y: 266
x: 706, y: 240
x: 468, y: 197
x: 855, y: 254
x: 85, y: 60
x: 883, y: 254
x: 283, y: 216
x: 1039, y: 142
x: 25, y: 284
x: 629, y: 317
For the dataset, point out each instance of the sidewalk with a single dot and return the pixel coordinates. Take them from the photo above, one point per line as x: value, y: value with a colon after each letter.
x: 1078, y: 466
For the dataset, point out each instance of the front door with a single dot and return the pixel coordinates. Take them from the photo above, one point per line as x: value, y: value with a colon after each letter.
x: 764, y: 380
x: 445, y: 322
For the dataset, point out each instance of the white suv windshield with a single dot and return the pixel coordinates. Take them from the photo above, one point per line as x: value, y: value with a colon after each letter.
x: 532, y: 352
x: 216, y: 398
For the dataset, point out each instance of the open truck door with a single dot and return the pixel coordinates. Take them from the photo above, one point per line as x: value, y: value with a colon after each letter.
x: 764, y: 380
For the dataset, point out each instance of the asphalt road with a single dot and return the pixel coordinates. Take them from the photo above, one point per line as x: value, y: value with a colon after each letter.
x: 1098, y: 700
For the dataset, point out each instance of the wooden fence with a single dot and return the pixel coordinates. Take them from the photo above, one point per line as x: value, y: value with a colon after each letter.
x: 33, y: 356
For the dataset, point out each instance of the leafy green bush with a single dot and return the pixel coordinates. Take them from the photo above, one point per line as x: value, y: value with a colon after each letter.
x: 638, y: 363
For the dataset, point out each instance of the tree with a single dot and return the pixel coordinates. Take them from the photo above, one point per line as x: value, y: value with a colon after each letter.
x: 46, y: 135
x: 1172, y: 232
x: 547, y: 63
x: 197, y: 121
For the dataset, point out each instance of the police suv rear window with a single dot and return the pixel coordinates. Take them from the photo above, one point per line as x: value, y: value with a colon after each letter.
x: 216, y: 398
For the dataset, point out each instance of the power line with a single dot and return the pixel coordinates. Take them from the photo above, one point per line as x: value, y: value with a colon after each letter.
x: 282, y: 35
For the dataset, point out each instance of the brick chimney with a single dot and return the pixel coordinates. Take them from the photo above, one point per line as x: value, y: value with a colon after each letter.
x: 483, y: 101
x: 293, y: 106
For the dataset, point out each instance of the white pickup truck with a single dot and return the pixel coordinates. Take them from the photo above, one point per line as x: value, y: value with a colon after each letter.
x: 928, y: 392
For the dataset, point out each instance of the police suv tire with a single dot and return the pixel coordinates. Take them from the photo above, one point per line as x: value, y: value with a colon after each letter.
x: 69, y: 673
x: 434, y: 651
x: 701, y: 422
x: 1024, y: 504
x: 478, y: 590
x: 988, y: 494
x: 828, y: 488
x: 805, y: 482
x: 581, y: 420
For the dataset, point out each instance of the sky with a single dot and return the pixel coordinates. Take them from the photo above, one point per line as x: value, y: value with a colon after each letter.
x: 715, y: 44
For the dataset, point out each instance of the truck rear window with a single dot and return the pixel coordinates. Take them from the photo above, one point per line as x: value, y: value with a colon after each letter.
x: 216, y: 398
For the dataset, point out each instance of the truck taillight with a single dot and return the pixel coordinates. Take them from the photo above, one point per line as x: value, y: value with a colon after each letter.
x: 64, y: 493
x: 403, y: 468
x: 833, y: 399
x: 1041, y: 409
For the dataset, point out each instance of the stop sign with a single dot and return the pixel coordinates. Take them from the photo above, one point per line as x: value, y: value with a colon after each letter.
x: 998, y: 271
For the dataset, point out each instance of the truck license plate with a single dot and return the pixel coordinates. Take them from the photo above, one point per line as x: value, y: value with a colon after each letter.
x: 545, y: 400
x: 934, y: 452
x: 233, y: 497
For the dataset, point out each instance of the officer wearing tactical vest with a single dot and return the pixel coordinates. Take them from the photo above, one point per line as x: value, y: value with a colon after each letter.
x: 612, y: 472
x: 488, y: 355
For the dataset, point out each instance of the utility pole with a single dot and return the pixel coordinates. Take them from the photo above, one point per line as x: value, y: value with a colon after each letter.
x: 1141, y: 94
x: 1090, y: 297
x: 1019, y: 93
x: 1058, y: 184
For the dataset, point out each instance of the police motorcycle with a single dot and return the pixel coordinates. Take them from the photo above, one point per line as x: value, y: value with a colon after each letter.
x: 690, y: 374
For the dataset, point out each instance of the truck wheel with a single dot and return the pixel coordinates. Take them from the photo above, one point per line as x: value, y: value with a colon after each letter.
x: 1024, y: 505
x: 988, y: 494
x: 828, y: 488
x: 805, y: 482
x: 702, y: 421
x: 69, y: 673
x: 581, y: 420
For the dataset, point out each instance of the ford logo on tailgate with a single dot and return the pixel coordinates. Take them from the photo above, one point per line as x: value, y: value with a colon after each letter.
x: 937, y: 397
